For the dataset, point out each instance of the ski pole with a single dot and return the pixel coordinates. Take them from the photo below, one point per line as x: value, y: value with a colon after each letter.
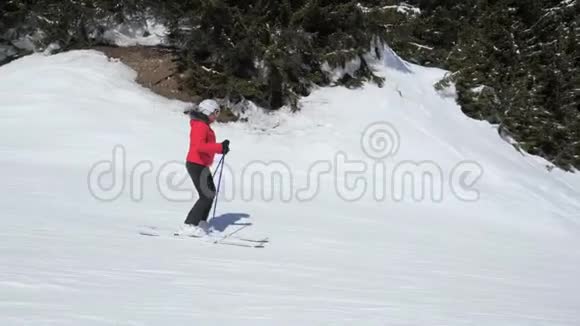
x: 221, y: 168
x: 218, y: 165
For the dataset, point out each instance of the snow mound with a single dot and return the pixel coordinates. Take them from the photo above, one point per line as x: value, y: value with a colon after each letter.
x: 393, y: 61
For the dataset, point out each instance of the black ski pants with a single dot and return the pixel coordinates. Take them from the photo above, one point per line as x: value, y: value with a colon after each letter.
x: 203, y: 182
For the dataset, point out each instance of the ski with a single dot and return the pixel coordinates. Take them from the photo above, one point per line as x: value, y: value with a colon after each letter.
x: 229, y: 239
x: 232, y: 235
x: 239, y: 244
x: 263, y: 240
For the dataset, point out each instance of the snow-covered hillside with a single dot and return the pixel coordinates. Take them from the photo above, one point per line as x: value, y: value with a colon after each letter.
x: 493, y: 240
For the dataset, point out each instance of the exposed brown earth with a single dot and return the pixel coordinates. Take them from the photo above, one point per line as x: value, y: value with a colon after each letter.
x: 157, y: 70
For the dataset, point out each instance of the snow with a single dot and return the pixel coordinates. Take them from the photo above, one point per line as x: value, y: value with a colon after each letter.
x: 402, y: 8
x: 144, y: 31
x: 28, y: 42
x: 148, y: 33
x: 391, y: 60
x: 498, y: 247
x: 448, y: 91
x: 421, y: 46
x: 336, y: 73
x: 388, y: 58
x: 478, y: 89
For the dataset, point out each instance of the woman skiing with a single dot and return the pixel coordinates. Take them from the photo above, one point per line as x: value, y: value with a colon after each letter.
x: 202, y: 149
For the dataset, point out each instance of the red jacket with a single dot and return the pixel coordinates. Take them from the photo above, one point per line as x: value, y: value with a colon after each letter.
x: 202, y: 145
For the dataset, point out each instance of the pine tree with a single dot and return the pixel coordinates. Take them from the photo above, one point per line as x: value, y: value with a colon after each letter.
x: 522, y: 60
x: 268, y: 51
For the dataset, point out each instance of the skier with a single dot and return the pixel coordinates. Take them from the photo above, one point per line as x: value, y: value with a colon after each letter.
x: 202, y: 149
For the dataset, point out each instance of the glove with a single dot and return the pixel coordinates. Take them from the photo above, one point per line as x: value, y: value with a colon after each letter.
x: 225, y: 146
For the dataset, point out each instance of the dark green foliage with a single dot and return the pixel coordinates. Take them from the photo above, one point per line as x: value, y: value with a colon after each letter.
x: 12, y: 14
x: 68, y: 23
x: 522, y: 55
x: 270, y: 52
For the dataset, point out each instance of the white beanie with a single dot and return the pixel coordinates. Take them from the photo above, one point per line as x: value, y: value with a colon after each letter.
x: 208, y: 107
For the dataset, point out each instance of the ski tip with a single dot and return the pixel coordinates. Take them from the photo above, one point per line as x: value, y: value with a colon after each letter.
x: 149, y: 234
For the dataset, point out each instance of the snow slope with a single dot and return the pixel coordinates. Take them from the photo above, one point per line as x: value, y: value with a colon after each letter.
x: 500, y: 248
